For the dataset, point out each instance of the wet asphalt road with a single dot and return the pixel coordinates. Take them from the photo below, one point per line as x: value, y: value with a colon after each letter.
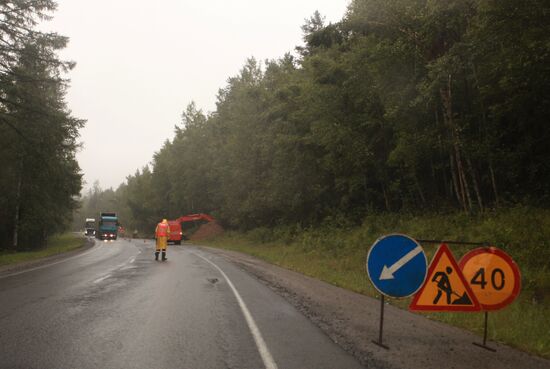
x: 113, y: 306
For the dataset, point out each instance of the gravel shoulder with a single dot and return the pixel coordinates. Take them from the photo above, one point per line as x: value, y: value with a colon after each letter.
x: 352, y: 321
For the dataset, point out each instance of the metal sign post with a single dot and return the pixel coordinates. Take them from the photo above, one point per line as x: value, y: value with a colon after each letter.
x: 461, y: 243
x: 485, y: 279
x: 396, y: 265
x: 484, y: 344
x: 379, y: 342
x: 494, y: 277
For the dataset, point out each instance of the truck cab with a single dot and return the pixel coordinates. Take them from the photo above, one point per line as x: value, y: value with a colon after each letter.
x: 90, y: 227
x: 107, y: 227
x: 176, y: 234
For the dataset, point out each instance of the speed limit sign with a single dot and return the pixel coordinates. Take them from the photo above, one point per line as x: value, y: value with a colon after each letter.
x: 493, y: 277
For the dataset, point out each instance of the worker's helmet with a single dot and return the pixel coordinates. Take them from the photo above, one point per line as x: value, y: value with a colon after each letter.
x: 164, y: 221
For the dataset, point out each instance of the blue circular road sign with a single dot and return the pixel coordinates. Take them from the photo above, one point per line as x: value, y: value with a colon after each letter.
x: 397, y: 265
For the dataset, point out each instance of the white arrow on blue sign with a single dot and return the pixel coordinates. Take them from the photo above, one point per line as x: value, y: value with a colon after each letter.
x: 397, y: 265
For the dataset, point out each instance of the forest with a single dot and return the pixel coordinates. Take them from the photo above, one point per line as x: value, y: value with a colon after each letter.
x: 40, y: 178
x: 402, y: 106
x: 423, y: 117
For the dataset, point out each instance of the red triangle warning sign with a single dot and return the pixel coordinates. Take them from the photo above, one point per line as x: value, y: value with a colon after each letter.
x: 445, y: 288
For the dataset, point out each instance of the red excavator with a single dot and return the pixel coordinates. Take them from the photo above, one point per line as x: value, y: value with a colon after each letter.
x: 176, y: 234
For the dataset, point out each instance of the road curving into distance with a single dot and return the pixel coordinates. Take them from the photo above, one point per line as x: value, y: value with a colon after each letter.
x: 113, y: 306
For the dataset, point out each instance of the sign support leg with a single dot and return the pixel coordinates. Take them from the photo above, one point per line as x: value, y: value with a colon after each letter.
x: 484, y: 344
x: 379, y: 342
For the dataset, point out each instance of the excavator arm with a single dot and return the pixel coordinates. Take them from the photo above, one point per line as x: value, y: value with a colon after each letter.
x: 193, y: 217
x: 176, y: 233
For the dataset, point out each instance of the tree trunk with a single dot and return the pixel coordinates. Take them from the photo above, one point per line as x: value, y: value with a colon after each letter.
x: 366, y: 192
x: 447, y: 186
x: 458, y: 193
x: 463, y: 179
x: 447, y: 98
x: 419, y: 189
x: 493, y: 182
x: 485, y: 134
x: 476, y: 186
x: 17, y: 206
x: 386, y: 199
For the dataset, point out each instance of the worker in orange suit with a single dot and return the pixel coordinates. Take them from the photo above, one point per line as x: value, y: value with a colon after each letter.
x: 161, y: 233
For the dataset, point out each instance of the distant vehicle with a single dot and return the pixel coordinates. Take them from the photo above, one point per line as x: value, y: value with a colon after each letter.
x: 176, y: 234
x: 89, y: 228
x: 107, y: 228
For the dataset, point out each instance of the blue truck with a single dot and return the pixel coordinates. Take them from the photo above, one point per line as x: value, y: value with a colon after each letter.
x: 107, y: 227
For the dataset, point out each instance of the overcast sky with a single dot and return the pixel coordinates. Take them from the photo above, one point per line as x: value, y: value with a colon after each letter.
x: 139, y: 63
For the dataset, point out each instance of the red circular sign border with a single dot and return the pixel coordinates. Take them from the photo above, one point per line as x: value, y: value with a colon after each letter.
x: 509, y: 260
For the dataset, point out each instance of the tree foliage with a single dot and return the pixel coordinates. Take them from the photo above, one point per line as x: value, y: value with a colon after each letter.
x: 402, y: 105
x: 39, y: 176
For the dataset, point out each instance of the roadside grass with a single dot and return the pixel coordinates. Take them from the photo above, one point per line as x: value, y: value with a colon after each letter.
x: 56, y: 245
x: 337, y: 255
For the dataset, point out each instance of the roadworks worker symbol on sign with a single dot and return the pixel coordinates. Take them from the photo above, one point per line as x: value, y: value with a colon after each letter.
x: 445, y: 288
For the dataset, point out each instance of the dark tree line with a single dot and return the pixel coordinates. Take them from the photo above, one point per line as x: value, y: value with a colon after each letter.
x: 39, y: 176
x: 402, y: 105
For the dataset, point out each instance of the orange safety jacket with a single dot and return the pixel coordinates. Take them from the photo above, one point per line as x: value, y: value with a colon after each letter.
x: 162, y: 230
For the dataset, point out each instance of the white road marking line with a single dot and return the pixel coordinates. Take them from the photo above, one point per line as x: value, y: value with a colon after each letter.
x: 102, y: 278
x: 267, y: 358
x: 130, y: 260
x: 96, y: 247
x: 122, y: 266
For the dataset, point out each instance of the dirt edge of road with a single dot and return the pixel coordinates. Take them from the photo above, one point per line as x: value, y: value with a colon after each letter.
x: 22, y: 266
x: 352, y: 321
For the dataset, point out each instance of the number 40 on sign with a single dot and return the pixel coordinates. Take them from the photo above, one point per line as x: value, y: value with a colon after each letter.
x: 493, y: 276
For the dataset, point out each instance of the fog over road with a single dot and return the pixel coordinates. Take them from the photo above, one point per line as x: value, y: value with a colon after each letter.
x: 113, y: 306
